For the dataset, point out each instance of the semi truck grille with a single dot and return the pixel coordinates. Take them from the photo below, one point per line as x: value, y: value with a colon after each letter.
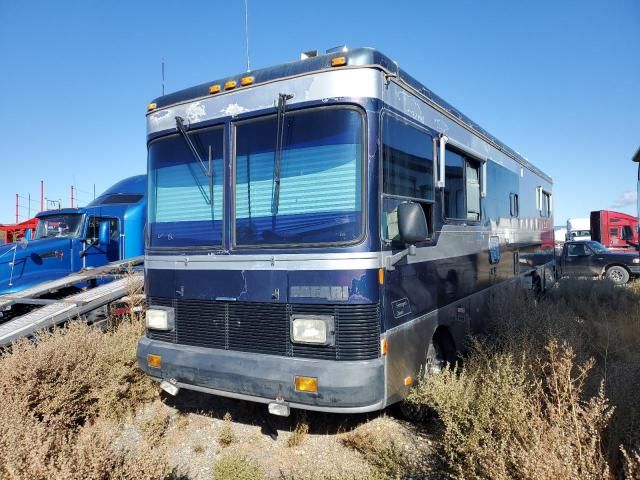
x: 264, y: 328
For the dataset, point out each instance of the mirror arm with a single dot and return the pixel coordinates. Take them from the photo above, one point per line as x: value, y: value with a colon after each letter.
x: 391, y: 260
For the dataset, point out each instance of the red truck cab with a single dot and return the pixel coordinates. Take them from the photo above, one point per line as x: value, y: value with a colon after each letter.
x: 614, y: 230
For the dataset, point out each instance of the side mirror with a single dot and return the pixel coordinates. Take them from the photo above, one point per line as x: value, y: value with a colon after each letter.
x: 104, y: 233
x: 412, y: 223
x: 28, y: 234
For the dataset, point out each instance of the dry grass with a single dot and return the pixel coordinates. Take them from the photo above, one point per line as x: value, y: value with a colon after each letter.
x: 154, y: 428
x: 226, y: 436
x: 236, y: 467
x: 299, y: 433
x: 60, y: 399
x: 548, y: 392
x: 392, y: 451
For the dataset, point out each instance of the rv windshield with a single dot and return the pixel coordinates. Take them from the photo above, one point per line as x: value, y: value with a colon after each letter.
x: 319, y: 197
x: 185, y: 202
x: 59, y: 226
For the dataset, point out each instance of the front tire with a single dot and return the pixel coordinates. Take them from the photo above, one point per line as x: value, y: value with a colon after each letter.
x: 618, y: 275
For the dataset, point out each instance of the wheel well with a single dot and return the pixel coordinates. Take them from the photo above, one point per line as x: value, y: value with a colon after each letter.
x: 444, y: 340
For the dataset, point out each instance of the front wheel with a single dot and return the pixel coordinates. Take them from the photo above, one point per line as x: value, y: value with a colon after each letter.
x: 618, y: 275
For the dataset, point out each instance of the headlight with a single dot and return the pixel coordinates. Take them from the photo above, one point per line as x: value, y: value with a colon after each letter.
x: 160, y: 318
x: 636, y: 260
x: 315, y: 329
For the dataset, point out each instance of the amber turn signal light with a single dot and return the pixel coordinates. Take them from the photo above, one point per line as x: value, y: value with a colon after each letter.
x: 307, y: 384
x: 154, y: 361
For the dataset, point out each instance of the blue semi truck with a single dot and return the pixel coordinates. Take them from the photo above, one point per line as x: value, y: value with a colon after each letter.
x: 68, y: 240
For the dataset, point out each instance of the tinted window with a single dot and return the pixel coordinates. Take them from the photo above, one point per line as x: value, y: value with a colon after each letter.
x: 473, y: 191
x: 407, y: 160
x: 514, y: 204
x: 462, y: 187
x: 454, y: 186
x: 613, y: 232
x: 93, y: 229
x: 546, y: 204
x: 577, y: 250
x: 119, y: 198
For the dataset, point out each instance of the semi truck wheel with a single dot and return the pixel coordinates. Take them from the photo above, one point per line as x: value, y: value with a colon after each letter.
x: 618, y: 275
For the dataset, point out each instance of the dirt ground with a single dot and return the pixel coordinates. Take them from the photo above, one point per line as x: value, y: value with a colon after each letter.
x: 193, y: 429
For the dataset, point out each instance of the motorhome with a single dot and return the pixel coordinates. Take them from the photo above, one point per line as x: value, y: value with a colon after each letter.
x: 319, y: 231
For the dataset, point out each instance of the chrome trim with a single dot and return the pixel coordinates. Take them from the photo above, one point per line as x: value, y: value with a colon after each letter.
x: 310, y: 261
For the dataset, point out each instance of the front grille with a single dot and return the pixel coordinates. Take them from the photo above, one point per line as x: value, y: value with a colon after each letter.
x: 264, y: 328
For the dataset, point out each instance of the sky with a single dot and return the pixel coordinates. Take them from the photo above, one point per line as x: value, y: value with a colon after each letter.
x: 557, y: 81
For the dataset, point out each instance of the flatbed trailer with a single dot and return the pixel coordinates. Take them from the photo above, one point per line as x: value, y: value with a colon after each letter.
x: 121, y: 279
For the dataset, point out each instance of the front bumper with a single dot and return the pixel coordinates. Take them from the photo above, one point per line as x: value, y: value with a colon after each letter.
x: 346, y: 387
x: 634, y: 269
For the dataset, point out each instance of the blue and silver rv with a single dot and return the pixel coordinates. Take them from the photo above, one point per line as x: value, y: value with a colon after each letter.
x: 318, y: 231
x: 108, y: 229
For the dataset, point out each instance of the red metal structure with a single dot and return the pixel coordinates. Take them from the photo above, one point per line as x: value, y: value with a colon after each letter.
x: 614, y: 229
x: 14, y: 232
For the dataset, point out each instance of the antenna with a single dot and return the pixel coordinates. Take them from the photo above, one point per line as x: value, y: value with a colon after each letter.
x: 162, y: 75
x: 246, y: 31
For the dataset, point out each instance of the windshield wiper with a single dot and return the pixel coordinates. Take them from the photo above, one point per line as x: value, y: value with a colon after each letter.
x: 183, y: 131
x: 282, y: 106
x: 207, y: 171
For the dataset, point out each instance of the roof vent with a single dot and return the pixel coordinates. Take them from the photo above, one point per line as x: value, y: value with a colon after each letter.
x: 341, y: 48
x: 308, y: 54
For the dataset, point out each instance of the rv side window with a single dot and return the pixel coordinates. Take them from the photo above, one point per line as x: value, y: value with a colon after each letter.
x: 546, y: 204
x: 407, y: 172
x: 613, y: 232
x: 513, y: 198
x: 473, y: 191
x: 408, y: 160
x: 461, y: 195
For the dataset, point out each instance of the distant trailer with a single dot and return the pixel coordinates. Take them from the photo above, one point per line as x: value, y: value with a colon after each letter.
x: 614, y: 229
x: 14, y: 232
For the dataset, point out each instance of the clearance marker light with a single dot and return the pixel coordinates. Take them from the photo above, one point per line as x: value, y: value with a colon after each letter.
x: 384, y: 346
x: 307, y: 384
x: 154, y: 361
x: 214, y: 89
x: 381, y: 276
x: 244, y: 81
x: 408, y: 381
x: 338, y: 61
x: 151, y: 107
x: 230, y: 85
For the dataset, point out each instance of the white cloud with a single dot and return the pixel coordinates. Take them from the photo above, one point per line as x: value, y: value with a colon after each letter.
x: 625, y: 200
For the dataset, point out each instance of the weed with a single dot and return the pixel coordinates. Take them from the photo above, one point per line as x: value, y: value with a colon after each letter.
x: 226, y: 436
x: 199, y: 449
x: 299, y: 433
x: 235, y: 467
